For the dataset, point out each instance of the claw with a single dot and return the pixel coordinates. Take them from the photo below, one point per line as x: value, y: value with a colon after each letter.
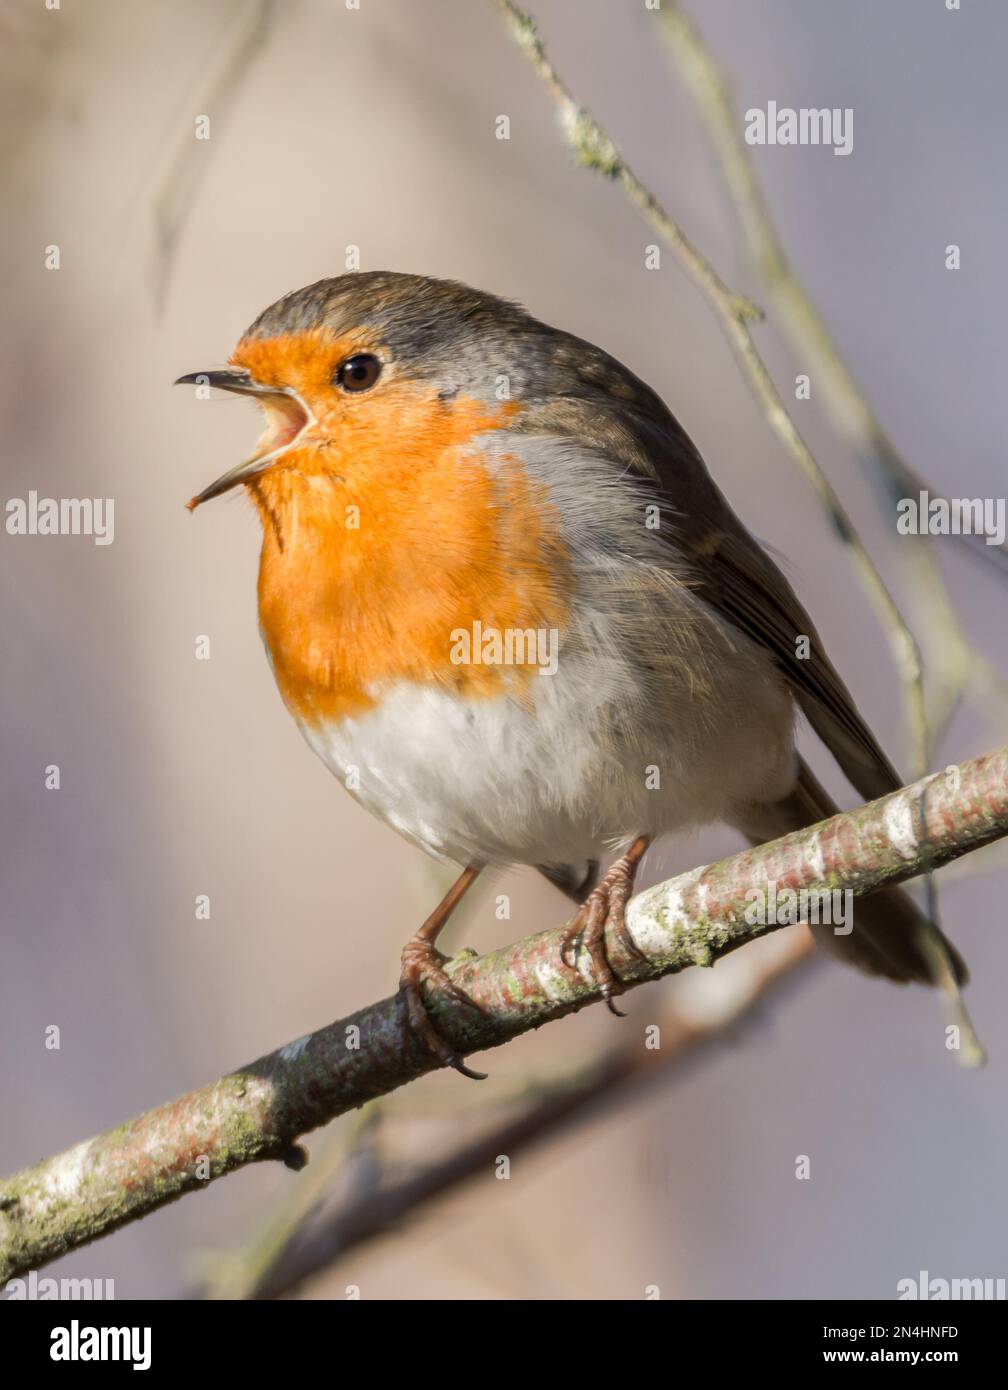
x: 463, y: 1070
x: 605, y: 908
x: 607, y: 996
x: 422, y: 963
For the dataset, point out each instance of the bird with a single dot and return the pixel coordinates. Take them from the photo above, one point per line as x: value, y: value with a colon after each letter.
x: 509, y: 608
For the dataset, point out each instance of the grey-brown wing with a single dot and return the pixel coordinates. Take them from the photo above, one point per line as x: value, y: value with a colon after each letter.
x: 738, y: 578
x: 730, y: 569
x: 748, y: 587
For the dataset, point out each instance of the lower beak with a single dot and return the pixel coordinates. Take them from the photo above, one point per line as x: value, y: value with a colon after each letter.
x: 288, y: 416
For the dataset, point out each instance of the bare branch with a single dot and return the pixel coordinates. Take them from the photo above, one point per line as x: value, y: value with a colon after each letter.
x: 260, y: 1111
x: 177, y: 184
x: 606, y: 1084
x: 847, y: 406
x: 592, y: 146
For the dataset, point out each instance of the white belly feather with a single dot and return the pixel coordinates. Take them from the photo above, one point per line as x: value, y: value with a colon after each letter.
x: 555, y: 780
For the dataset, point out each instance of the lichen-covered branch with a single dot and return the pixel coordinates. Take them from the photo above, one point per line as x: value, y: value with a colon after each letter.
x: 259, y: 1111
x: 688, y: 1032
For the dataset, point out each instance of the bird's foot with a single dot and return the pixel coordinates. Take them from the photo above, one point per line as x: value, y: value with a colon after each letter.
x: 422, y: 963
x: 605, y: 909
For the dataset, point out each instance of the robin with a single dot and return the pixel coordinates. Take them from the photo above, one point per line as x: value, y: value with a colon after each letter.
x: 506, y: 604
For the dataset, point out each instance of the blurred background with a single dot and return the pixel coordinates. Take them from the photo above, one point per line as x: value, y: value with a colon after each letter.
x: 375, y: 127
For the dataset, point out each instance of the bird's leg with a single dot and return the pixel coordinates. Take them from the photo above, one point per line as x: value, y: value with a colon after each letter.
x: 605, y: 906
x: 421, y: 962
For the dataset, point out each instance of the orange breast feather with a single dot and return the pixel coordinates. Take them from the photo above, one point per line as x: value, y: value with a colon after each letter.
x: 386, y: 534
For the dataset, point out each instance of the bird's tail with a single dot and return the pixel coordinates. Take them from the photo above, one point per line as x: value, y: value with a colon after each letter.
x: 890, y: 935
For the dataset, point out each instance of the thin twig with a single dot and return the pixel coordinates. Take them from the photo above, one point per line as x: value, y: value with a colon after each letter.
x: 847, y: 405
x: 593, y: 147
x: 230, y: 1275
x: 177, y: 183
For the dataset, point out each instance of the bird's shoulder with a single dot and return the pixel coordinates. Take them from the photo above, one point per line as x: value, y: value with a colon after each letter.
x: 600, y: 407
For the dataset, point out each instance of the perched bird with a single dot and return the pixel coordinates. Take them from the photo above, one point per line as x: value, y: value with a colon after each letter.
x: 500, y: 592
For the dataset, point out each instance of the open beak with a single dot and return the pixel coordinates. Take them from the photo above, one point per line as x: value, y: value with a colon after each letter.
x: 288, y: 417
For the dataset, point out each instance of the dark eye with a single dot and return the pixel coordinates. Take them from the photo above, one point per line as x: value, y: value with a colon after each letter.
x: 359, y: 373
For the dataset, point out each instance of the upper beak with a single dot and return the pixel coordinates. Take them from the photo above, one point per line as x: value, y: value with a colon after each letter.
x: 289, y: 418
